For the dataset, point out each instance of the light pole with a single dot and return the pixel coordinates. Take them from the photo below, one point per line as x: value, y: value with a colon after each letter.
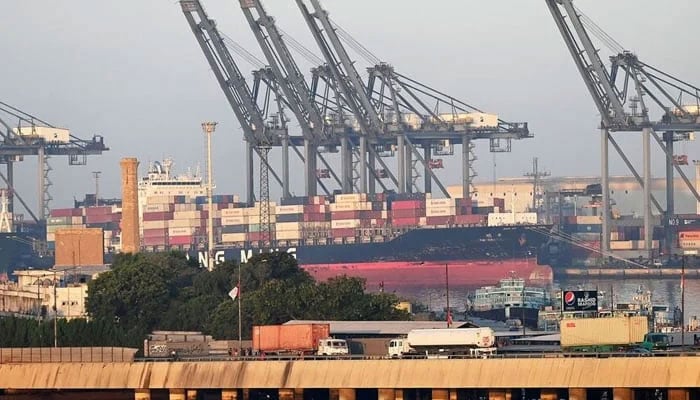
x: 686, y: 253
x: 208, y: 129
x: 447, y: 294
x: 240, y: 339
x: 96, y: 175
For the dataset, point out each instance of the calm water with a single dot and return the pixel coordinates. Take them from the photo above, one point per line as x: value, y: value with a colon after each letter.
x: 664, y: 291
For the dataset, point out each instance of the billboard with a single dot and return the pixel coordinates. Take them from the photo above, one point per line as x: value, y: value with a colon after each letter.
x: 580, y: 300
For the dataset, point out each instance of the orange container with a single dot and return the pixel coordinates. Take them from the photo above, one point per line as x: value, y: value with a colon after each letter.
x: 289, y: 338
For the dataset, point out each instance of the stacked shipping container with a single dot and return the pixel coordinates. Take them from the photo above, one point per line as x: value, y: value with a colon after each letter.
x: 105, y: 217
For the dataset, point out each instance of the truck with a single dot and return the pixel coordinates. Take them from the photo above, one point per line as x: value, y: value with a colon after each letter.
x: 610, y: 334
x: 297, y: 339
x: 443, y: 342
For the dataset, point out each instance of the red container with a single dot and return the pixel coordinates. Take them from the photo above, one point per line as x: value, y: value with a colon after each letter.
x: 463, y: 210
x: 312, y: 208
x: 407, y: 213
x: 158, y: 216
x: 407, y: 204
x: 370, y: 214
x: 500, y: 203
x: 154, y: 241
x: 158, y: 233
x: 404, y: 221
x: 338, y: 215
x: 474, y: 219
x: 463, y: 202
x: 180, y: 240
x: 98, y: 210
x: 101, y: 218
x: 444, y: 220
x: 66, y: 212
x: 342, y: 232
x: 276, y: 339
x: 316, y: 217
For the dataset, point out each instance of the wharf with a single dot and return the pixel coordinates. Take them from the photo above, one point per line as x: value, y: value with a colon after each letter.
x: 637, y: 273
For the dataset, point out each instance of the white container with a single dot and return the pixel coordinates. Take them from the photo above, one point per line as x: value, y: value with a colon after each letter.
x: 282, y: 210
x: 158, y: 207
x: 181, y: 231
x: 234, y: 237
x: 431, y: 203
x: 232, y: 212
x: 186, y: 214
x: 185, y: 223
x: 525, y: 218
x: 450, y: 338
x: 345, y: 223
x: 349, y: 206
x: 350, y: 198
x: 228, y: 221
x: 500, y: 219
x: 76, y: 220
x: 288, y: 226
x: 288, y: 235
x: 154, y: 224
x: 440, y: 211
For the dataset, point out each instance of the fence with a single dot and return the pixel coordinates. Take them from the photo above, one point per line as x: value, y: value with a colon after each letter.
x: 66, y: 354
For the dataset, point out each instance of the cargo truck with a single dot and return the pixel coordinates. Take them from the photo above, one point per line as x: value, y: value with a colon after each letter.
x: 610, y: 334
x: 301, y: 339
x: 443, y: 342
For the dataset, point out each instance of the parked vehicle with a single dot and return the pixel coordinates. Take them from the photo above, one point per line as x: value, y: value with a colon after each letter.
x: 443, y: 342
x: 297, y: 340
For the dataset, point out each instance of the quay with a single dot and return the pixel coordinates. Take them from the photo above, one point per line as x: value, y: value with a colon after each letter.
x: 545, y: 378
x: 636, y: 273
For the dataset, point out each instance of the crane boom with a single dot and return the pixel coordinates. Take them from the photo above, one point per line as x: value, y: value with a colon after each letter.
x: 286, y: 71
x: 589, y: 63
x: 342, y: 67
x: 226, y: 71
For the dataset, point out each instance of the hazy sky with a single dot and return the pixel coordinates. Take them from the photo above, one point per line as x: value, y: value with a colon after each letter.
x: 132, y: 71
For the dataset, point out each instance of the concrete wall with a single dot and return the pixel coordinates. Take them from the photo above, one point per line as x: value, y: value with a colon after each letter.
x: 79, y: 247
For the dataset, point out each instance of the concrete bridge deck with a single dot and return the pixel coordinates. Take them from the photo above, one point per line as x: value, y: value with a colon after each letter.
x: 496, y: 377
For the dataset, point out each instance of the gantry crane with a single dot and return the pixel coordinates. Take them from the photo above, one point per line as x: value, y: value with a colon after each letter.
x: 32, y: 136
x: 315, y: 129
x: 620, y: 95
x: 260, y: 131
x: 379, y: 111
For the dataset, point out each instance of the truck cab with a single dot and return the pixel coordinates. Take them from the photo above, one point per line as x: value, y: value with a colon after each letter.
x: 656, y: 341
x: 332, y: 347
x: 399, y: 347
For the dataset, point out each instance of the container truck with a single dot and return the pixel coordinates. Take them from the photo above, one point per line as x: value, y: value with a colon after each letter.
x: 610, y: 334
x: 431, y: 342
x: 297, y: 340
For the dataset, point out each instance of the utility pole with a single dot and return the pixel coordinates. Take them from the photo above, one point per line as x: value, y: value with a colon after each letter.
x: 96, y: 175
x: 536, y: 176
x: 208, y: 129
x: 447, y: 294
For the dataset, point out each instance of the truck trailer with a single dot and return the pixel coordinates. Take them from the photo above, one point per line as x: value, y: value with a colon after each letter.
x: 609, y: 334
x: 301, y: 339
x: 437, y: 342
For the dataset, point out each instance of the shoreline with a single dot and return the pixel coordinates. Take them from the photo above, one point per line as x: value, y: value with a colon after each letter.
x: 649, y: 273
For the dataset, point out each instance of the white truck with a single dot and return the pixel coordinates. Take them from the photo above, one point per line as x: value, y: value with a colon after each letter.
x: 444, y: 342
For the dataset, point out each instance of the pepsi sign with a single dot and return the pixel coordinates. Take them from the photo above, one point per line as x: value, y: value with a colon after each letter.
x: 580, y: 300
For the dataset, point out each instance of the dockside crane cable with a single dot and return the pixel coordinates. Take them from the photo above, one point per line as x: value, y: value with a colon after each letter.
x: 23, y: 116
x: 361, y: 50
x: 241, y: 51
x: 599, y: 32
x: 303, y: 51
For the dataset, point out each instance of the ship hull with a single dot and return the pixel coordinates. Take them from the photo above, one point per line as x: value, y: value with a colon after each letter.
x: 474, y: 257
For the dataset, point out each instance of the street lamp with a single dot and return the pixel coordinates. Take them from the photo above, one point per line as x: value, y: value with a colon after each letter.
x: 208, y: 129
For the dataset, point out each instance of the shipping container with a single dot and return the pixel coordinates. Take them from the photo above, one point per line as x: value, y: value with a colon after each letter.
x: 316, y: 217
x: 289, y: 338
x: 188, y: 214
x: 501, y: 219
x: 232, y: 212
x: 68, y: 220
x: 471, y: 220
x: 439, y: 203
x: 412, y: 221
x: 181, y: 231
x: 440, y: 211
x: 180, y: 240
x: 407, y: 205
x: 226, y: 221
x: 186, y: 223
x: 345, y: 223
x: 603, y: 331
x: 291, y: 209
x: 288, y: 235
x: 66, y: 212
x: 334, y: 207
x: 154, y: 224
x: 350, y: 198
x: 102, y: 218
x: 314, y: 209
x: 588, y: 219
x: 234, y: 237
x: 407, y: 213
x: 440, y: 221
x: 343, y: 232
x: 157, y: 216
x: 341, y: 215
x: 290, y: 218
x: 160, y: 233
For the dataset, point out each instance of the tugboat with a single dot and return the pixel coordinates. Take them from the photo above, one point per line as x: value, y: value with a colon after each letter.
x: 509, y: 300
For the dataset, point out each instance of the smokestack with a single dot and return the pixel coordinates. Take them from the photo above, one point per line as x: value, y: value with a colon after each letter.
x: 130, y: 206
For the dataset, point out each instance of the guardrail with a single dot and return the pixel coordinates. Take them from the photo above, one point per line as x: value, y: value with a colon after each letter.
x: 66, y: 354
x: 419, y: 357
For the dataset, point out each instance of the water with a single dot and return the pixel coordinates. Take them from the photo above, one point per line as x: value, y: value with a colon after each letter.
x: 664, y: 292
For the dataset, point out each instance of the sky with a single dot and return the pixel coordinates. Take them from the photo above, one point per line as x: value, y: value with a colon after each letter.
x: 132, y: 72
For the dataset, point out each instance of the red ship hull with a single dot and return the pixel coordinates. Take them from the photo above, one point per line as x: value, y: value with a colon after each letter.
x: 467, y: 273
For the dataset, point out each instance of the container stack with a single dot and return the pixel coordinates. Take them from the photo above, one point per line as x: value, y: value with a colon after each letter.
x: 105, y: 217
x: 407, y: 210
x: 289, y: 226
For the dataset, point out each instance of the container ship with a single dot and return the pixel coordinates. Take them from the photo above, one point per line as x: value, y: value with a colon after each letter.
x: 391, y: 240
